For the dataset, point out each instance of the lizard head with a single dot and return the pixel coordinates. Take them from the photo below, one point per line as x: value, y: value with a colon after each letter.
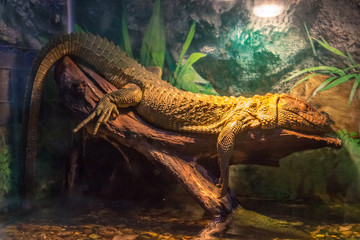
x: 299, y: 115
x: 285, y: 111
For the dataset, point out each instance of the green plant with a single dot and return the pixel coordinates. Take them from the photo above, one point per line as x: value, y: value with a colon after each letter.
x: 79, y: 29
x: 345, y: 135
x: 185, y: 47
x: 351, y: 145
x: 185, y: 77
x: 125, y: 33
x: 152, y: 52
x: 194, y: 57
x: 337, y: 76
x: 5, y: 172
x: 310, y: 40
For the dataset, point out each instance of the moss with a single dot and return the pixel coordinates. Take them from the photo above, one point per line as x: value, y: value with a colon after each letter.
x: 5, y: 171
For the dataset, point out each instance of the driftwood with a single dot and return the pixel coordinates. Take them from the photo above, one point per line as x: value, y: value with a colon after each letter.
x: 184, y: 155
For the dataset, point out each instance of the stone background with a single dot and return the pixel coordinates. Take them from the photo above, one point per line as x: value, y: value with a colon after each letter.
x: 253, y: 53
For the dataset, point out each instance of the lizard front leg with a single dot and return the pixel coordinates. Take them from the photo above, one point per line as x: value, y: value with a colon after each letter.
x: 127, y: 96
x: 225, y: 145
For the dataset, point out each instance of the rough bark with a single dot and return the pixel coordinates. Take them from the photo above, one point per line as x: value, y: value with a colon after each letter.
x: 180, y: 154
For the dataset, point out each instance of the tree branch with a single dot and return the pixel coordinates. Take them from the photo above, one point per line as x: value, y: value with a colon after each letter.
x: 179, y: 153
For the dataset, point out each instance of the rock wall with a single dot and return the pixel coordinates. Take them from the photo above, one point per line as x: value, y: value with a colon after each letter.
x: 246, y: 54
x: 31, y: 23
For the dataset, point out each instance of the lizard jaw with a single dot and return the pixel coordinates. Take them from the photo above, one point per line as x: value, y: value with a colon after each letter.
x: 330, y: 141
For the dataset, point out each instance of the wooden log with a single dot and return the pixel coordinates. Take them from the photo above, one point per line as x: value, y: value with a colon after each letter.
x: 179, y: 153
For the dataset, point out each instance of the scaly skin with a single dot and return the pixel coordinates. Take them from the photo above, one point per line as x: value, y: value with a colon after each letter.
x: 165, y: 106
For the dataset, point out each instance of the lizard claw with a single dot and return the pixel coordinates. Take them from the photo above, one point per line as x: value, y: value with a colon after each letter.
x: 83, y: 123
x: 103, y: 110
x: 222, y: 189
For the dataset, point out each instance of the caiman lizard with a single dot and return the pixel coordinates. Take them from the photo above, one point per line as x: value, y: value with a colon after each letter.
x: 165, y: 106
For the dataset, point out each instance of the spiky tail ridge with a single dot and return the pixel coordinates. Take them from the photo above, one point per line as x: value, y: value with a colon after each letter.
x: 107, y: 59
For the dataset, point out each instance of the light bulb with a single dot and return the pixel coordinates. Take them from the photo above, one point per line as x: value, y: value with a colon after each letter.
x: 268, y: 10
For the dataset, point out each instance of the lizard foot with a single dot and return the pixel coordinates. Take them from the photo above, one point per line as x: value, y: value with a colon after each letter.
x: 222, y: 189
x: 103, y: 110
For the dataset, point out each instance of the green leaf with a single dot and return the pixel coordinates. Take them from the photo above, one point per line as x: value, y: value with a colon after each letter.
x: 354, y: 88
x: 43, y: 39
x: 332, y: 70
x: 79, y: 29
x: 351, y: 67
x: 324, y: 41
x: 193, y: 82
x: 326, y: 82
x: 172, y: 66
x: 338, y: 81
x: 170, y: 61
x: 125, y: 33
x: 351, y: 59
x: 185, y: 47
x: 328, y: 47
x: 304, y: 79
x: 352, y: 134
x: 189, y: 62
x: 152, y: 52
x: 342, y: 134
x: 311, y: 41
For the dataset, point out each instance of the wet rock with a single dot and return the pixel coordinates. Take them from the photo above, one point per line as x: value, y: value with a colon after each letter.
x: 38, y: 229
x: 87, y: 230
x: 336, y: 231
x: 94, y: 236
x: 165, y: 236
x: 54, y: 228
x: 125, y: 237
x: 107, y: 231
x: 10, y: 231
x: 345, y: 228
x: 127, y: 230
x: 120, y: 226
x: 149, y: 235
x: 187, y: 237
x: 347, y: 234
x: 65, y: 233
x: 333, y: 101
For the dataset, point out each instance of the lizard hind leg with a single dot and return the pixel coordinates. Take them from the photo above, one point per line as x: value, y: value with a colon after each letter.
x: 225, y: 145
x: 127, y: 96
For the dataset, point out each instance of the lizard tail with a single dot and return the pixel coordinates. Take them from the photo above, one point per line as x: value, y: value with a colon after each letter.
x: 98, y: 52
x: 42, y: 64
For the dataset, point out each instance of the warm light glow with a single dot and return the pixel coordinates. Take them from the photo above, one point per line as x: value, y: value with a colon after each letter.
x: 268, y: 10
